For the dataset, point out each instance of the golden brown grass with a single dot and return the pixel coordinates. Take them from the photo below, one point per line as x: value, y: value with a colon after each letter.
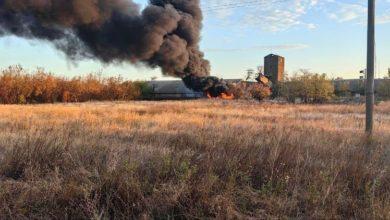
x: 193, y: 159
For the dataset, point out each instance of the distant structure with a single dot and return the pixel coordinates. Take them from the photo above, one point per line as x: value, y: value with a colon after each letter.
x: 176, y: 90
x: 355, y: 86
x: 172, y: 90
x: 274, y: 68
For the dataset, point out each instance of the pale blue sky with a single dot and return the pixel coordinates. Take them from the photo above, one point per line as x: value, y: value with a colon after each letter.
x: 325, y: 36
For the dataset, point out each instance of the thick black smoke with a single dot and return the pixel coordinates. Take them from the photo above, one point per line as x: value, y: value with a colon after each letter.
x: 165, y: 34
x: 210, y: 84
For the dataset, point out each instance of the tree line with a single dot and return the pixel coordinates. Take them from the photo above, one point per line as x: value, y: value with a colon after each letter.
x: 18, y: 86
x: 318, y: 88
x: 308, y: 87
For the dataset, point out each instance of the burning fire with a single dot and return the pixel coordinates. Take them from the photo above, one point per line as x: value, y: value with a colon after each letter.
x: 224, y: 96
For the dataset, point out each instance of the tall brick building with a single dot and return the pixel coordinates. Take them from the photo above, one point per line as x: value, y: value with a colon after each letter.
x: 274, y: 68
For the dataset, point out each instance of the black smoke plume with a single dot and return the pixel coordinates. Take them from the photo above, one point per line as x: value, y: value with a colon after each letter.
x: 165, y: 34
x: 210, y: 84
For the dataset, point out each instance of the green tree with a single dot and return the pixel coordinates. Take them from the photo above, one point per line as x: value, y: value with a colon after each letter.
x: 309, y: 87
x: 144, y: 88
x: 342, y: 89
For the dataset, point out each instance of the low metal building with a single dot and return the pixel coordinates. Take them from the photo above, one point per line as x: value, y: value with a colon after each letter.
x: 172, y: 90
x: 355, y: 86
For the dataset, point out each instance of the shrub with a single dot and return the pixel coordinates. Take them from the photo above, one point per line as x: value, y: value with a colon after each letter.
x: 17, y: 86
x: 250, y: 90
x: 146, y: 90
x: 309, y: 87
x: 14, y: 85
x: 342, y: 89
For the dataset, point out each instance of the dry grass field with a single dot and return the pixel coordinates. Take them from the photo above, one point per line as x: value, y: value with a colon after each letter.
x: 193, y: 160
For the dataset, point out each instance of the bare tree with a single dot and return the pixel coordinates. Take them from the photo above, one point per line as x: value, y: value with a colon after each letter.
x: 250, y: 73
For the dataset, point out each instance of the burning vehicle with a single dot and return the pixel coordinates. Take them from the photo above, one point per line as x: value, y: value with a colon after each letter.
x: 212, y: 86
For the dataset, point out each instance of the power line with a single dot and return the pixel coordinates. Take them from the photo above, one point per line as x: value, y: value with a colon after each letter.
x: 229, y: 4
x: 239, y: 5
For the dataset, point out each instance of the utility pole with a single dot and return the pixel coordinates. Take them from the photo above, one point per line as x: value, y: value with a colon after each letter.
x: 370, y: 67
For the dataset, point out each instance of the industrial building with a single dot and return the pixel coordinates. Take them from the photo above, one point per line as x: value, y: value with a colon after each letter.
x: 177, y: 90
x: 274, y: 68
x: 356, y: 86
x: 172, y: 89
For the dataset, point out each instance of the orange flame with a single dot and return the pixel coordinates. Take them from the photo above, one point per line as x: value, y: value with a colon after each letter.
x: 224, y: 96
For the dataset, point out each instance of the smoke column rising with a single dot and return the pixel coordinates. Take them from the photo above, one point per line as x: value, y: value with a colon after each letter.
x: 165, y: 34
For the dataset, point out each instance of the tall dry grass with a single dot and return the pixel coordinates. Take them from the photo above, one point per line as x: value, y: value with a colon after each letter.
x: 196, y: 159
